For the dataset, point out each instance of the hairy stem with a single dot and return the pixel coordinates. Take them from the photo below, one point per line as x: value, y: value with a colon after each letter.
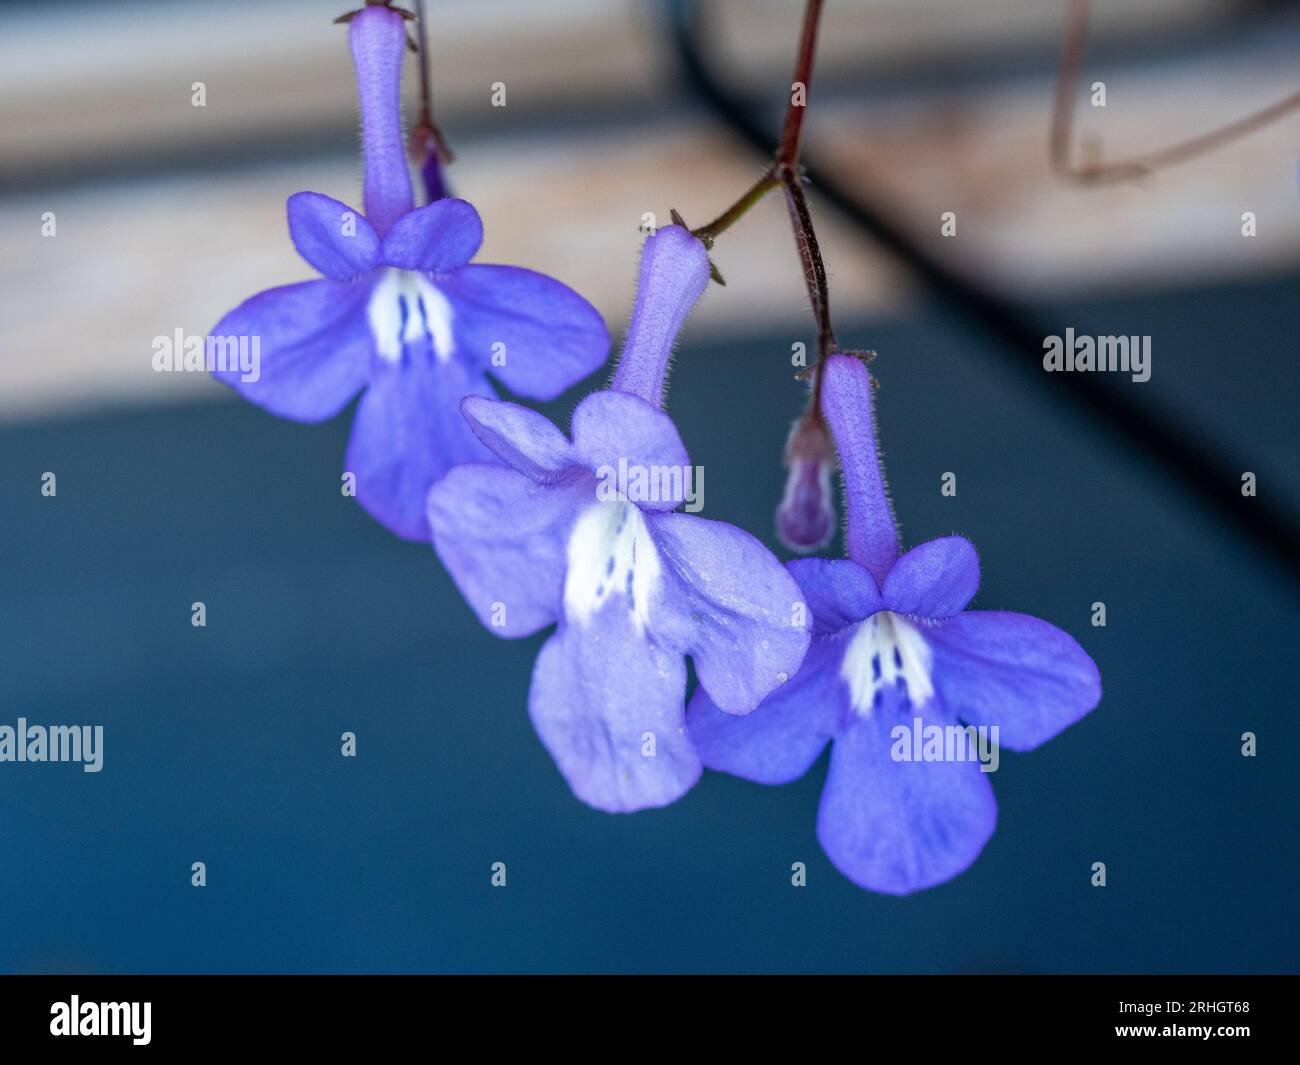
x: 738, y: 210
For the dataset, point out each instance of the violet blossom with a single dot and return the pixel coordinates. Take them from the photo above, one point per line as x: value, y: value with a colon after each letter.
x: 893, y: 653
x: 631, y: 585
x: 403, y: 314
x: 805, y: 520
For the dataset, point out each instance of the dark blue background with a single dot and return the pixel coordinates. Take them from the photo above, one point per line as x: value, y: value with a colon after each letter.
x: 222, y: 744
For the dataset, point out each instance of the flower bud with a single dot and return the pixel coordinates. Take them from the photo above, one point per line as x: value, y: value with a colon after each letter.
x: 805, y: 520
x: 426, y: 150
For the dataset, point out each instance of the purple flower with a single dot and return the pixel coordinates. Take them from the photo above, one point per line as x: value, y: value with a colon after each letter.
x: 583, y: 533
x: 893, y: 658
x: 805, y: 520
x: 403, y: 314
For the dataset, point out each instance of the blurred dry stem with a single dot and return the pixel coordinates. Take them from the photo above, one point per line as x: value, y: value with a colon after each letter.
x: 1095, y: 172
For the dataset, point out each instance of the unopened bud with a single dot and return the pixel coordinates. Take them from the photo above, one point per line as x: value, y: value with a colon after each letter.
x: 427, y: 151
x: 805, y: 520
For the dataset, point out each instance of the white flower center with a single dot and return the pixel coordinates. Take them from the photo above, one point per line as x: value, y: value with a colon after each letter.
x: 885, y: 649
x: 406, y: 309
x: 610, y: 552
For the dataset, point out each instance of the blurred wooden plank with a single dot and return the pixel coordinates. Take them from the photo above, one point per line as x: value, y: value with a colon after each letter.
x: 79, y: 80
x: 984, y: 158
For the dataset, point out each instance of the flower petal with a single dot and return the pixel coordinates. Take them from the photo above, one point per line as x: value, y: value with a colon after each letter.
x: 613, y: 430
x: 734, y: 609
x: 1015, y: 671
x: 438, y: 237
x: 602, y: 697
x: 838, y: 591
x: 781, y: 739
x: 528, y: 441
x: 535, y: 334
x: 502, y: 538
x: 898, y: 827
x: 313, y: 347
x: 334, y: 238
x: 935, y: 579
x: 409, y: 432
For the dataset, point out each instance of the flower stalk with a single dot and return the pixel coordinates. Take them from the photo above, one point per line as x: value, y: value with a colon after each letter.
x: 783, y: 172
x: 427, y: 146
